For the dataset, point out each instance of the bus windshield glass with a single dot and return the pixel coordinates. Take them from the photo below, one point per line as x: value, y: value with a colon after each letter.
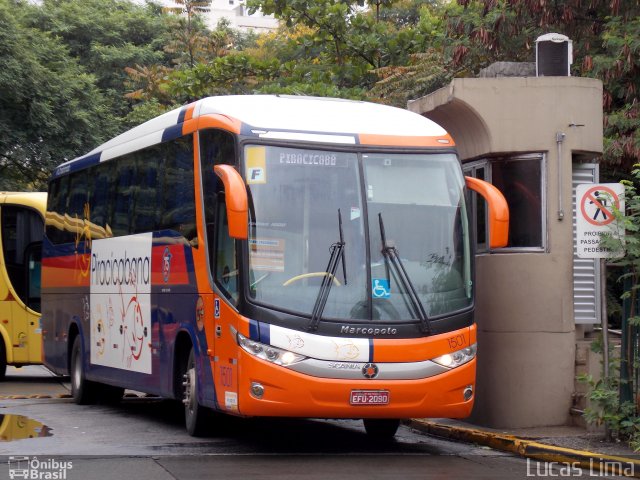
x: 303, y: 203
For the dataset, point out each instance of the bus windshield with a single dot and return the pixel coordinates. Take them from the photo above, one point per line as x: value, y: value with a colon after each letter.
x: 304, y: 202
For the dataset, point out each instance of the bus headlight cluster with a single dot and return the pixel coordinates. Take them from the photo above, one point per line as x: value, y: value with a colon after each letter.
x: 457, y: 358
x: 267, y: 352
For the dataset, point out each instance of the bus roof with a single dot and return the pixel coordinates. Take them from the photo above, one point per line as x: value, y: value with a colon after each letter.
x: 297, y: 118
x: 36, y: 200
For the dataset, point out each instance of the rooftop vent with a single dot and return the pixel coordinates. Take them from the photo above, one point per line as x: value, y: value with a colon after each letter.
x: 554, y: 55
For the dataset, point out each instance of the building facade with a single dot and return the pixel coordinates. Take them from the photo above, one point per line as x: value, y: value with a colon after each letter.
x: 535, y: 138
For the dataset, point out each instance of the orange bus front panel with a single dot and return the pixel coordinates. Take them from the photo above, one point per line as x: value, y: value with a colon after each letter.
x: 292, y: 394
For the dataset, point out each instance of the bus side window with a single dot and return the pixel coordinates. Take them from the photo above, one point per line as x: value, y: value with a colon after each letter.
x: 226, y: 267
x: 33, y: 262
x: 178, y: 201
x: 56, y: 209
x: 20, y: 228
x: 216, y: 148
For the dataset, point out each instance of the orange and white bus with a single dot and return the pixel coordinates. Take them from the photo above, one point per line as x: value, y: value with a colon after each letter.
x: 21, y: 229
x: 268, y: 256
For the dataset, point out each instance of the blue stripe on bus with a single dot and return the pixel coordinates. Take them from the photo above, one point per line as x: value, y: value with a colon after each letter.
x: 61, y: 250
x: 172, y: 133
x: 371, y: 350
x: 79, y: 164
x: 254, y: 330
x: 182, y: 114
x: 265, y: 333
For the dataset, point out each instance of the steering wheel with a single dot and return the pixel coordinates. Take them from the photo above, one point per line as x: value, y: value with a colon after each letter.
x: 311, y: 275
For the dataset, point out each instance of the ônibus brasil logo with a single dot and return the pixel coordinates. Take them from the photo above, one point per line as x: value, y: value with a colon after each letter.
x: 35, y: 469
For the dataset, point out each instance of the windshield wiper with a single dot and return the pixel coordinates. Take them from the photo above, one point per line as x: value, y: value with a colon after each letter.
x: 391, y: 256
x: 337, y: 254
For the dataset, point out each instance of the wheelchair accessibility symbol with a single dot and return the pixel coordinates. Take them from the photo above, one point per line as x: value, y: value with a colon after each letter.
x: 380, y: 288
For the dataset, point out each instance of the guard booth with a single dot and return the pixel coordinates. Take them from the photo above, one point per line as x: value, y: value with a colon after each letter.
x: 535, y: 138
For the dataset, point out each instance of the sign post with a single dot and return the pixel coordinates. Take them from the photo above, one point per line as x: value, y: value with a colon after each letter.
x: 596, y: 207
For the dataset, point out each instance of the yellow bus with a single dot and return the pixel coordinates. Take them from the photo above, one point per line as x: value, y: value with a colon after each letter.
x: 21, y: 229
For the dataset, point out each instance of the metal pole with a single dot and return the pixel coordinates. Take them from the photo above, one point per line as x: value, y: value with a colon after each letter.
x: 605, y: 330
x: 560, y: 136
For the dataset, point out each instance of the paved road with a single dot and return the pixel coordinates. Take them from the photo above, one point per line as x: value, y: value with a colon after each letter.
x: 144, y: 439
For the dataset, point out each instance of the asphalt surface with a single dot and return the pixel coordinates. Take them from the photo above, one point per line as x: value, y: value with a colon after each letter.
x: 144, y: 438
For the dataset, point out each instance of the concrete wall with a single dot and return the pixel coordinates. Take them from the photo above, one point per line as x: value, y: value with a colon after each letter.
x: 526, y: 330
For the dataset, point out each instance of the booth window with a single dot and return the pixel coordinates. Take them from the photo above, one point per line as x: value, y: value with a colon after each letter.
x: 519, y: 178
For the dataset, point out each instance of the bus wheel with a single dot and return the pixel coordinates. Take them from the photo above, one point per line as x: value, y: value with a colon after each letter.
x: 381, y: 428
x: 82, y: 390
x: 3, y: 360
x: 195, y: 415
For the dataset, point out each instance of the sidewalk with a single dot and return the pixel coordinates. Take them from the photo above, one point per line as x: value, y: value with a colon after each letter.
x: 562, y: 444
x: 33, y: 381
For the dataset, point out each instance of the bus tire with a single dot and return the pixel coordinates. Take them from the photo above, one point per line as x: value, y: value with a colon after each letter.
x: 83, y: 391
x: 381, y: 428
x: 196, y: 417
x: 3, y: 360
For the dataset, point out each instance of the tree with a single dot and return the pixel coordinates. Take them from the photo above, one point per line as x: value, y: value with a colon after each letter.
x: 344, y: 41
x: 188, y: 31
x: 50, y: 108
x: 425, y: 71
x: 606, y: 39
x: 105, y: 36
x: 152, y: 81
x: 236, y: 73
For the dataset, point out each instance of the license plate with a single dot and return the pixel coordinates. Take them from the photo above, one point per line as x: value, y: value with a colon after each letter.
x: 369, y: 397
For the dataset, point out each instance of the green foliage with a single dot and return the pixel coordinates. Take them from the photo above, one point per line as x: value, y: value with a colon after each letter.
x: 316, y: 89
x: 606, y: 45
x: 84, y: 70
x: 64, y: 80
x: 105, y: 36
x: 146, y: 111
x: 341, y: 42
x: 231, y: 74
x: 620, y: 418
x: 50, y: 108
x: 399, y: 84
x: 188, y: 34
x: 629, y: 220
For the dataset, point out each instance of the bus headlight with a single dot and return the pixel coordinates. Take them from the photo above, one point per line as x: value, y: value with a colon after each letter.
x: 267, y: 352
x: 457, y: 358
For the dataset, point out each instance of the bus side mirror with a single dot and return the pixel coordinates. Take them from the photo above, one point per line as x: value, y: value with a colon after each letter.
x: 235, y: 195
x: 498, y: 211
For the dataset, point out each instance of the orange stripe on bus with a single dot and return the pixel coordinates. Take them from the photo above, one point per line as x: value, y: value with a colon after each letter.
x: 199, y: 254
x: 189, y: 126
x: 188, y: 115
x: 211, y: 121
x: 220, y: 121
x: 400, y: 141
x: 420, y: 349
x: 64, y: 271
x: 473, y: 331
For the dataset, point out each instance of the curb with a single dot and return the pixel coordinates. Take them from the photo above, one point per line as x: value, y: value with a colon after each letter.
x: 34, y: 396
x: 603, y: 464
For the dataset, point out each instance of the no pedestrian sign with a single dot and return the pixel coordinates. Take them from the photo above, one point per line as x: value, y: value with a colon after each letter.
x: 596, y: 218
